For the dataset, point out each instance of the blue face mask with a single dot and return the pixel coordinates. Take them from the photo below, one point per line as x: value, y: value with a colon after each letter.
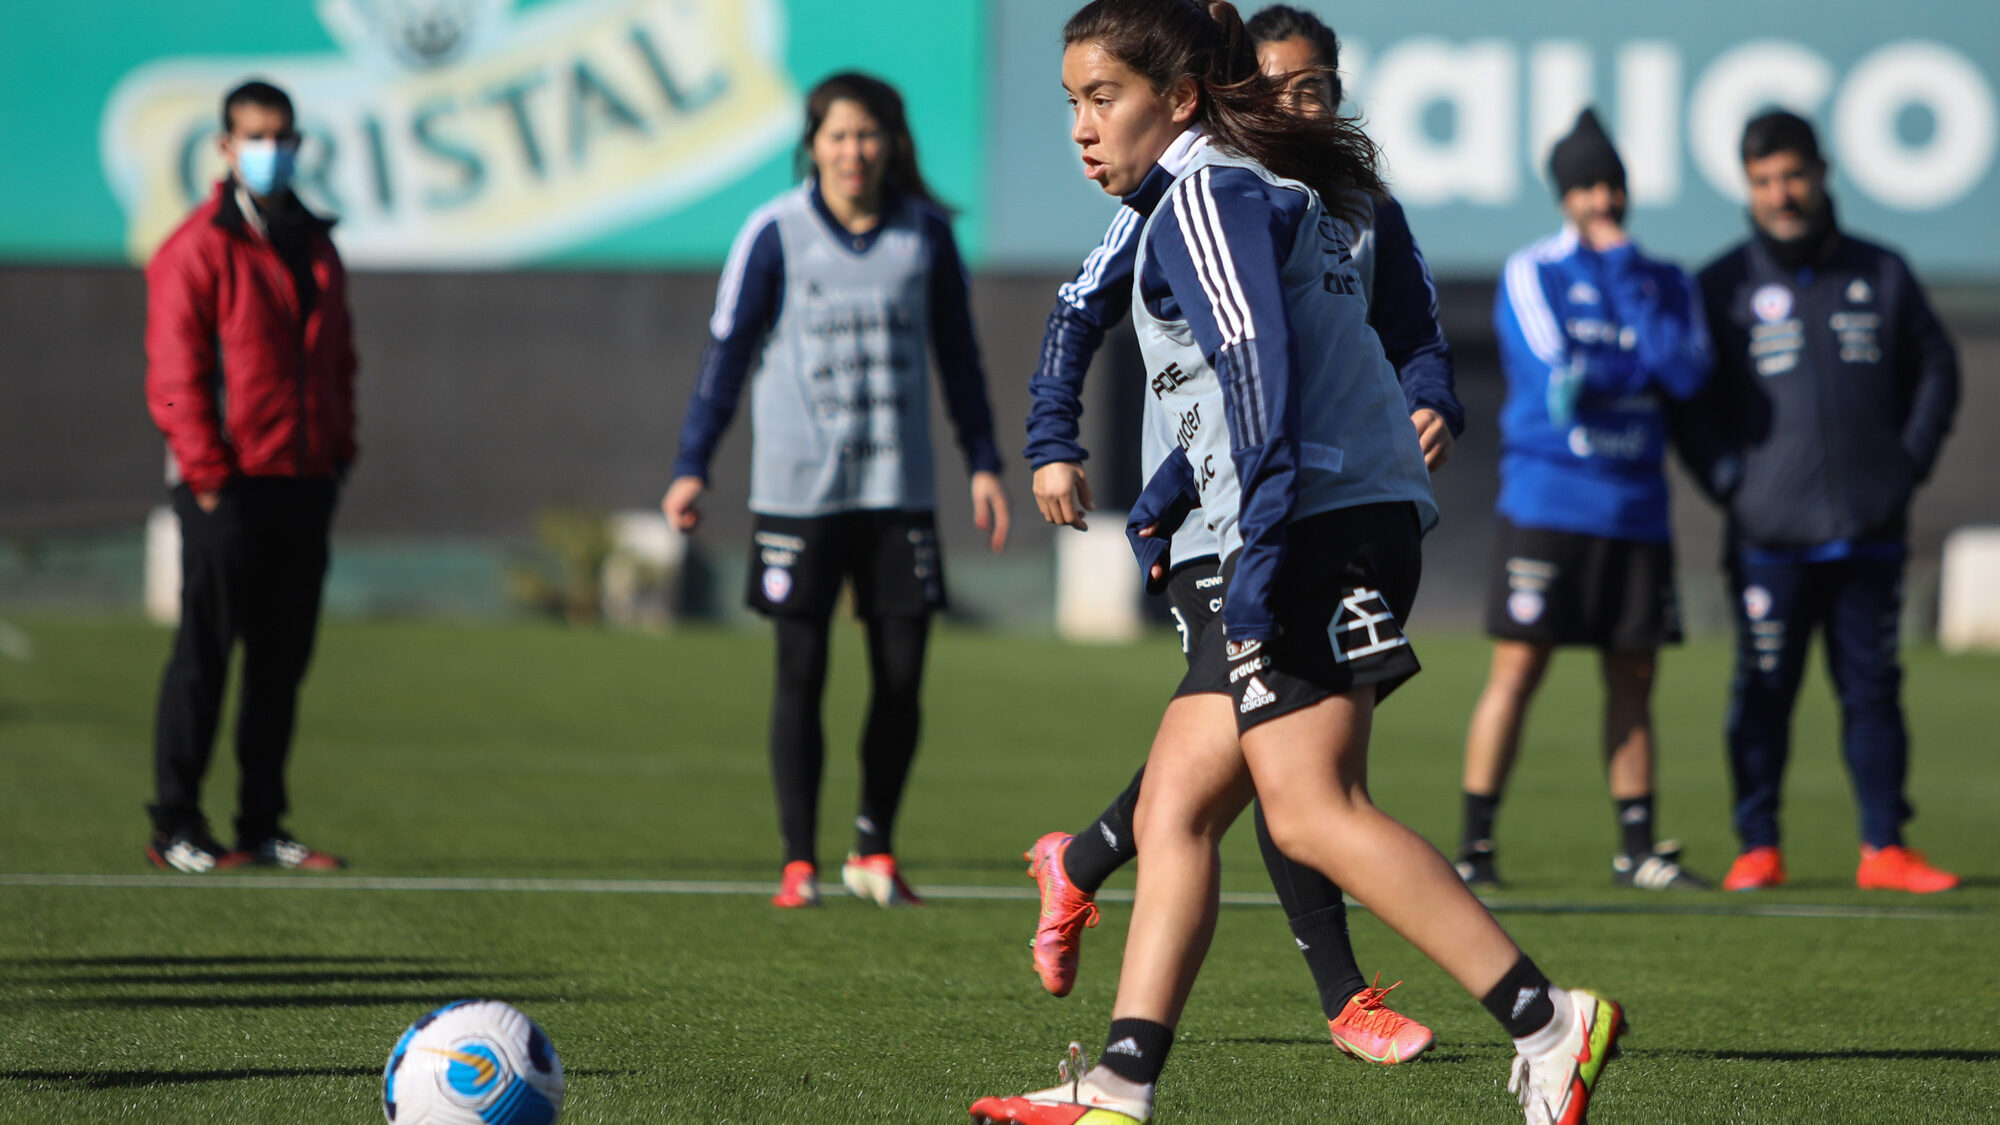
x: 266, y: 165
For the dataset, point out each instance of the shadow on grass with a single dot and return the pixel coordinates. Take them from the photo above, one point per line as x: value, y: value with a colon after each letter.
x: 127, y: 1079
x: 1434, y: 1055
x: 304, y: 977
x: 280, y: 1000
x: 1885, y: 1054
x: 148, y: 961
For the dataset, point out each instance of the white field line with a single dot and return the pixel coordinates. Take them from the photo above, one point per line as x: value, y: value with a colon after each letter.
x: 706, y: 887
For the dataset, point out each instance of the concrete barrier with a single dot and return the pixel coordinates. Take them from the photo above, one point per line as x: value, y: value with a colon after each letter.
x: 1969, y: 593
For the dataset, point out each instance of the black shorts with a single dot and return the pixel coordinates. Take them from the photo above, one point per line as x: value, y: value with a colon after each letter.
x: 797, y: 564
x: 1561, y: 588
x: 1194, y: 597
x: 1348, y: 582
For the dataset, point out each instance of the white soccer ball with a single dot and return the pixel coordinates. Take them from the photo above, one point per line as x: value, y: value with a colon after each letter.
x: 475, y: 1062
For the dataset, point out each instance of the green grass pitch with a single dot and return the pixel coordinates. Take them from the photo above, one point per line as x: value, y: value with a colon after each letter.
x: 436, y: 752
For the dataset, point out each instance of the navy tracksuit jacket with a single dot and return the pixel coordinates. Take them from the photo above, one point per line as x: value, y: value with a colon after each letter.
x: 1833, y: 390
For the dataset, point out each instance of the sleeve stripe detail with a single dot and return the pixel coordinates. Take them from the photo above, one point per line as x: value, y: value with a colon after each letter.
x: 1209, y: 253
x: 1092, y: 274
x: 1531, y: 309
x: 1233, y: 287
x: 1249, y: 425
x: 723, y: 322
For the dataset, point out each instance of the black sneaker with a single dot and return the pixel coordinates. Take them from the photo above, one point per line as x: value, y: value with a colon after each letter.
x: 190, y: 849
x: 279, y: 849
x: 1657, y: 870
x: 1475, y: 865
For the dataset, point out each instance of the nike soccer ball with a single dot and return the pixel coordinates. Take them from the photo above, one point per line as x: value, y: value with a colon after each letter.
x: 476, y: 1062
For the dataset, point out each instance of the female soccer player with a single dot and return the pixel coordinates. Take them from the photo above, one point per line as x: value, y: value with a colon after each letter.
x: 830, y: 294
x: 1294, y: 442
x: 1295, y: 47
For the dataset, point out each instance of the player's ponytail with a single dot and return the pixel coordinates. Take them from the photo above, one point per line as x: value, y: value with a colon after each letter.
x: 885, y: 105
x: 1240, y: 108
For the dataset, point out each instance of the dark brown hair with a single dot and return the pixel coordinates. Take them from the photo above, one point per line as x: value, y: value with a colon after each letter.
x: 885, y: 105
x: 1167, y: 40
x: 255, y: 92
x: 1777, y: 130
x: 1280, y: 22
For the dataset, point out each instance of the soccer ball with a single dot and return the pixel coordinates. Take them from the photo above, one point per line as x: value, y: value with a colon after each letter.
x: 476, y: 1062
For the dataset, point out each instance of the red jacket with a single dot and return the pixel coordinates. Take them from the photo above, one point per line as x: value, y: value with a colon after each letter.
x: 235, y: 381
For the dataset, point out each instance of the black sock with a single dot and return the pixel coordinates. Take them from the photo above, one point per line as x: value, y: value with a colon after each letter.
x: 1322, y: 938
x: 1635, y: 824
x: 1107, y: 844
x: 889, y: 741
x: 1479, y: 812
x: 798, y: 745
x: 1318, y: 917
x: 1521, y: 1000
x: 1136, y: 1050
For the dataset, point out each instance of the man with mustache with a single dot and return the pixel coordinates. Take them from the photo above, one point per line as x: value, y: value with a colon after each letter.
x: 1833, y: 391
x: 1595, y: 337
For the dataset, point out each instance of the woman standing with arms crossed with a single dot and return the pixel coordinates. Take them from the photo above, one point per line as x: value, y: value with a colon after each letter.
x: 829, y: 296
x: 1294, y: 440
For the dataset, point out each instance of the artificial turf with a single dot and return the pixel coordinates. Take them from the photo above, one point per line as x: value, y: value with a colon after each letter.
x: 439, y: 752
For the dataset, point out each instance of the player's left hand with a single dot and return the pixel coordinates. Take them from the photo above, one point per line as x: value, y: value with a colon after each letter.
x: 1147, y: 532
x: 989, y: 508
x: 1434, y: 436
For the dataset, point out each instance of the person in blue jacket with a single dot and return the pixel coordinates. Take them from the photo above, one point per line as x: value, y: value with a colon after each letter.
x: 1596, y: 338
x: 1834, y: 388
x: 1293, y: 438
x: 832, y: 301
x: 1296, y: 47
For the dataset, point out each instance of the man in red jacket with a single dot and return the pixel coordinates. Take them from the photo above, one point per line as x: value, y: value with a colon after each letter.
x: 250, y: 375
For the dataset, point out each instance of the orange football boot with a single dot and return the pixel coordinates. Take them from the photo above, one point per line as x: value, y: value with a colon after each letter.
x: 1897, y: 868
x: 1369, y: 1029
x: 1756, y: 870
x: 1066, y: 913
x: 799, y: 886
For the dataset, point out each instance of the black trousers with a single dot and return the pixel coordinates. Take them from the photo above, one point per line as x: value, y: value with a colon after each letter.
x: 251, y: 571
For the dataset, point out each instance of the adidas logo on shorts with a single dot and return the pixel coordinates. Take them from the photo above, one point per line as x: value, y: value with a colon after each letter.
x: 1256, y: 695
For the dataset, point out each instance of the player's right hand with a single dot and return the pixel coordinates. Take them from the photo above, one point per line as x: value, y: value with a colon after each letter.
x: 680, y: 502
x: 1062, y: 492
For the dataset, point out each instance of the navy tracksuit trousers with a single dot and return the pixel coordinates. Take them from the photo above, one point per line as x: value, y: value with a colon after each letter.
x: 1857, y: 604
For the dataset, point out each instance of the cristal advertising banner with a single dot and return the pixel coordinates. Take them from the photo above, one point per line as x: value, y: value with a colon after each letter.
x: 1465, y: 98
x: 527, y: 133
x: 461, y: 133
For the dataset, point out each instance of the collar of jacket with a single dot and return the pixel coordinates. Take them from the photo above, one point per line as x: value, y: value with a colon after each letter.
x: 1814, y: 250
x: 1171, y: 164
x: 229, y: 216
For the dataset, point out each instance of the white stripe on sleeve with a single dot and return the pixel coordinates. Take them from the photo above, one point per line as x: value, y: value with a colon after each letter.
x: 1531, y: 309
x: 1192, y: 236
x: 723, y: 322
x: 1229, y: 283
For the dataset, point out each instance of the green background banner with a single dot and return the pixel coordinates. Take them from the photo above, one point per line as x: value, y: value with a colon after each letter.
x: 481, y: 133
x: 586, y: 133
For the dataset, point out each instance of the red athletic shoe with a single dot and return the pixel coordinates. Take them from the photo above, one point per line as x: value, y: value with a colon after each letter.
x: 1897, y: 868
x: 1369, y: 1029
x: 799, y: 886
x: 875, y: 878
x: 1066, y: 913
x: 1755, y: 870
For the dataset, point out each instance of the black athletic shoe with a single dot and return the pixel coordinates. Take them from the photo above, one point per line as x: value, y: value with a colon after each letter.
x: 189, y: 849
x: 1475, y: 865
x: 1657, y: 870
x: 279, y: 849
